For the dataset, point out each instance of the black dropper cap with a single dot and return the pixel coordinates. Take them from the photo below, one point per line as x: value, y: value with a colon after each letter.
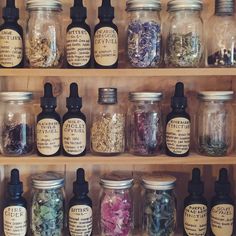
x: 80, y: 186
x: 195, y: 185
x: 106, y: 10
x: 222, y: 185
x: 179, y: 100
x: 74, y: 101
x: 48, y: 100
x: 78, y: 11
x: 15, y: 186
x: 10, y: 11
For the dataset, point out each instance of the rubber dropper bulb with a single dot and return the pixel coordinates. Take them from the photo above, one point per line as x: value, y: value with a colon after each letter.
x: 15, y: 177
x: 48, y: 90
x: 74, y: 90
x: 179, y: 90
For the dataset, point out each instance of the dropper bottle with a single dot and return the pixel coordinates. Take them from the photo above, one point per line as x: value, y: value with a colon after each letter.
x: 74, y: 125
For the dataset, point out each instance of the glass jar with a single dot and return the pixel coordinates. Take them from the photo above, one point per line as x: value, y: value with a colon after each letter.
x: 48, y: 205
x: 108, y: 124
x: 185, y: 38
x: 116, y: 205
x: 215, y: 123
x: 221, y: 35
x: 145, y: 135
x: 44, y: 44
x: 159, y: 205
x: 144, y: 33
x: 17, y: 123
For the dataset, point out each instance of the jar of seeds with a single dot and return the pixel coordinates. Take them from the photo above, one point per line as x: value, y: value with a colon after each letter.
x: 48, y: 205
x: 215, y: 123
x: 44, y: 44
x: 185, y: 38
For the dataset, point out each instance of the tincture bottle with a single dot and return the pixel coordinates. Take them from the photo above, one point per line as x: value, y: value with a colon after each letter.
x: 106, y: 38
x: 48, y: 129
x: 195, y: 207
x: 78, y: 38
x: 80, y: 215
x: 74, y: 125
x: 222, y: 207
x: 178, y: 125
x: 11, y: 38
x: 15, y: 207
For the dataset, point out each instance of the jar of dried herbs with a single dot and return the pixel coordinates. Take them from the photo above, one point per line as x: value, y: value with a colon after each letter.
x: 215, y: 123
x: 44, y: 44
x: 159, y: 205
x: 185, y: 38
x: 145, y: 131
x: 47, y: 211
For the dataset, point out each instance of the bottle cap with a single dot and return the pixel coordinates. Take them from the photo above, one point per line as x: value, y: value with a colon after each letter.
x: 107, y: 95
x: 15, y: 186
x: 48, y: 100
x: 225, y: 7
x: 10, y: 11
x: 195, y: 185
x: 222, y: 185
x: 179, y: 100
x: 177, y: 5
x: 106, y: 10
x: 74, y: 101
x: 80, y: 186
x: 78, y: 11
x: 134, y: 5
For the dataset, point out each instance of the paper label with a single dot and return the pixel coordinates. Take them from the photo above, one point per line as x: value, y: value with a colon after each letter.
x: 78, y: 47
x: 222, y: 220
x: 178, y: 135
x: 106, y: 46
x: 74, y: 136
x: 195, y: 220
x: 11, y: 48
x: 15, y: 221
x: 80, y: 220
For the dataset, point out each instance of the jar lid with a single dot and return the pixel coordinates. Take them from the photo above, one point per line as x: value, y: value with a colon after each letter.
x: 132, y: 5
x: 107, y: 95
x: 158, y: 182
x: 177, y: 5
x: 44, y: 4
x: 216, y: 95
x: 16, y: 96
x: 145, y: 96
x: 224, y: 6
x: 48, y: 180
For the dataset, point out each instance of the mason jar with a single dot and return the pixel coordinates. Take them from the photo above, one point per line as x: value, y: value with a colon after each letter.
x: 44, y: 44
x: 185, y: 38
x: 17, y: 123
x: 145, y: 128
x: 215, y: 123
x: 116, y: 205
x: 47, y: 211
x: 144, y: 34
x: 159, y: 205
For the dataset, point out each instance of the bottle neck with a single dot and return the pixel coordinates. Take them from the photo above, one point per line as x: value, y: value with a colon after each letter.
x: 178, y: 109
x: 105, y: 20
x: 14, y: 197
x: 73, y: 109
x: 48, y: 109
x: 10, y: 20
x: 78, y: 20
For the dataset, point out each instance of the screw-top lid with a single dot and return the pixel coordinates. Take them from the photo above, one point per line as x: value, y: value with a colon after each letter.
x: 10, y: 11
x: 195, y: 185
x: 179, y: 100
x: 74, y: 101
x: 222, y: 185
x: 48, y: 100
x: 78, y: 11
x: 216, y: 95
x: 224, y: 7
x: 15, y: 186
x: 106, y: 10
x: 80, y: 186
x: 44, y: 4
x: 132, y: 5
x: 145, y: 96
x: 107, y: 95
x: 178, y: 5
x: 16, y: 96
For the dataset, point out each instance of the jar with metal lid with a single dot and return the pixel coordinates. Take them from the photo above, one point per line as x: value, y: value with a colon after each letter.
x: 116, y: 205
x: 159, y: 205
x: 215, y: 123
x: 185, y: 37
x: 144, y: 33
x: 44, y: 44
x: 108, y: 124
x: 47, y: 205
x: 17, y: 123
x: 145, y: 131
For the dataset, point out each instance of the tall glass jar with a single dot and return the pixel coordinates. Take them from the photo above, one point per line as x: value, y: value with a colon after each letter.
x: 144, y: 33
x: 116, y: 205
x: 145, y: 132
x: 159, y: 205
x: 17, y: 123
x: 108, y: 124
x: 185, y: 38
x: 44, y: 44
x: 48, y: 205
x: 215, y: 123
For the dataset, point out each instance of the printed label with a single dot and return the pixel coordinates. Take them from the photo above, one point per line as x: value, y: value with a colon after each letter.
x: 74, y: 136
x: 178, y: 135
x: 80, y: 220
x: 195, y: 220
x: 78, y: 47
x: 106, y: 46
x: 48, y: 136
x: 11, y: 48
x: 15, y: 221
x: 222, y: 220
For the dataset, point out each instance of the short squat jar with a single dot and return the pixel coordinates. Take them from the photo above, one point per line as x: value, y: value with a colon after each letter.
x: 44, y: 44
x: 47, y: 206
x: 145, y: 131
x: 144, y: 33
x: 185, y: 38
x: 116, y: 205
x: 159, y: 205
x: 215, y: 123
